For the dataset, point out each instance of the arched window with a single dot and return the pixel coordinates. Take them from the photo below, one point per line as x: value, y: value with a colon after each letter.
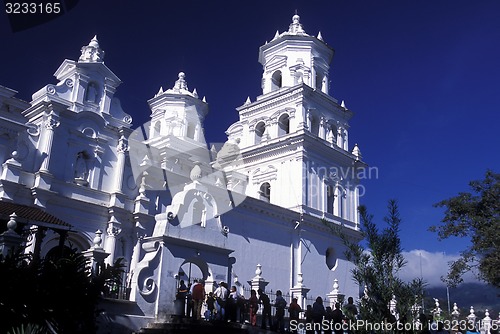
x: 276, y: 81
x: 265, y: 192
x: 332, y: 134
x: 283, y: 125
x: 331, y: 258
x: 92, y: 93
x: 157, y: 129
x: 319, y: 81
x: 81, y: 168
x: 314, y: 126
x: 191, y: 129
x: 259, y: 132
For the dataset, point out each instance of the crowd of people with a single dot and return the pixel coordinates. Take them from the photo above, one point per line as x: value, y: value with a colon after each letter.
x: 228, y: 305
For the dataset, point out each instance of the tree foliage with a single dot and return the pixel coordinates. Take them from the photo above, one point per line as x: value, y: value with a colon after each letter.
x: 377, y: 268
x: 475, y: 215
x: 52, y: 295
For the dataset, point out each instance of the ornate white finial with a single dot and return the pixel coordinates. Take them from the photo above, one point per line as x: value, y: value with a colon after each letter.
x: 455, y: 310
x: 300, y: 279
x: 204, y: 99
x: 356, y: 152
x: 258, y: 271
x: 12, y: 223
x: 160, y: 91
x: 181, y: 82
x: 471, y: 312
x: 296, y: 27
x: 213, y: 150
x: 319, y: 36
x: 342, y: 104
x: 277, y: 35
x: 195, y: 173
x: 335, y: 286
x: 92, y: 53
x: 195, y: 93
x: 143, y: 185
x: 97, y: 239
x: 248, y: 101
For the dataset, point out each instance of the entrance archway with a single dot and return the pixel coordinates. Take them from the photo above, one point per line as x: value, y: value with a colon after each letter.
x: 192, y: 269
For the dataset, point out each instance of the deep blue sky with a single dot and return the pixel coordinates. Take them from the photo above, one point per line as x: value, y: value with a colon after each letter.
x: 422, y: 78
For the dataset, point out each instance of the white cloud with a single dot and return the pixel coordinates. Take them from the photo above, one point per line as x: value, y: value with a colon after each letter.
x: 431, y: 266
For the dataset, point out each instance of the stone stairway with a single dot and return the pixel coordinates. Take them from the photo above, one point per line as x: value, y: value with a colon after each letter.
x: 189, y: 326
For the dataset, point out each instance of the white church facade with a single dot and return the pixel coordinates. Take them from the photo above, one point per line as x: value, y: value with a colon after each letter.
x: 256, y: 212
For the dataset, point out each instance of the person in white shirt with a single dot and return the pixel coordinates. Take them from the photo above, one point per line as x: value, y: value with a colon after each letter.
x: 220, y: 295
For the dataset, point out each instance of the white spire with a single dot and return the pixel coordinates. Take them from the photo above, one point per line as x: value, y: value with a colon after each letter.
x: 248, y: 101
x: 277, y: 35
x: 160, y: 91
x: 195, y: 93
x: 342, y: 104
x: 356, y: 152
x: 92, y: 53
x: 319, y: 36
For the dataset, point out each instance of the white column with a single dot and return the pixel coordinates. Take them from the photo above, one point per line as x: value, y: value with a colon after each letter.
x: 136, y: 253
x: 356, y: 204
x: 343, y: 203
x: 198, y: 133
x: 112, y: 231
x: 305, y: 183
x: 324, y: 194
x: 312, y: 79
x: 346, y: 140
x: 50, y: 123
x: 120, y: 164
x: 340, y: 137
x: 348, y: 203
x: 322, y: 132
x: 337, y: 209
x: 324, y: 87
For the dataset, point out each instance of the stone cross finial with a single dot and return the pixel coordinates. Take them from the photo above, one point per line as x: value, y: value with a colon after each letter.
x: 92, y: 53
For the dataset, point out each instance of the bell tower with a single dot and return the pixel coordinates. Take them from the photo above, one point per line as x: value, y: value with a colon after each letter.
x: 294, y: 57
x: 294, y: 137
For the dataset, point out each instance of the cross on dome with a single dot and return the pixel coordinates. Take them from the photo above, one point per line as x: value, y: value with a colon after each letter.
x: 92, y: 53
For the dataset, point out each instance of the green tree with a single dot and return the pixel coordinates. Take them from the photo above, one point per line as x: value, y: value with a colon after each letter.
x: 53, y: 295
x: 475, y: 215
x: 377, y: 267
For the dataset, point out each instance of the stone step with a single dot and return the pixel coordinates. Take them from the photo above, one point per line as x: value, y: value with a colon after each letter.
x: 208, y: 327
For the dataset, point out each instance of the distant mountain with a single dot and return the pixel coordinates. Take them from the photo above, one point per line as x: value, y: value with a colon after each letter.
x: 480, y: 296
